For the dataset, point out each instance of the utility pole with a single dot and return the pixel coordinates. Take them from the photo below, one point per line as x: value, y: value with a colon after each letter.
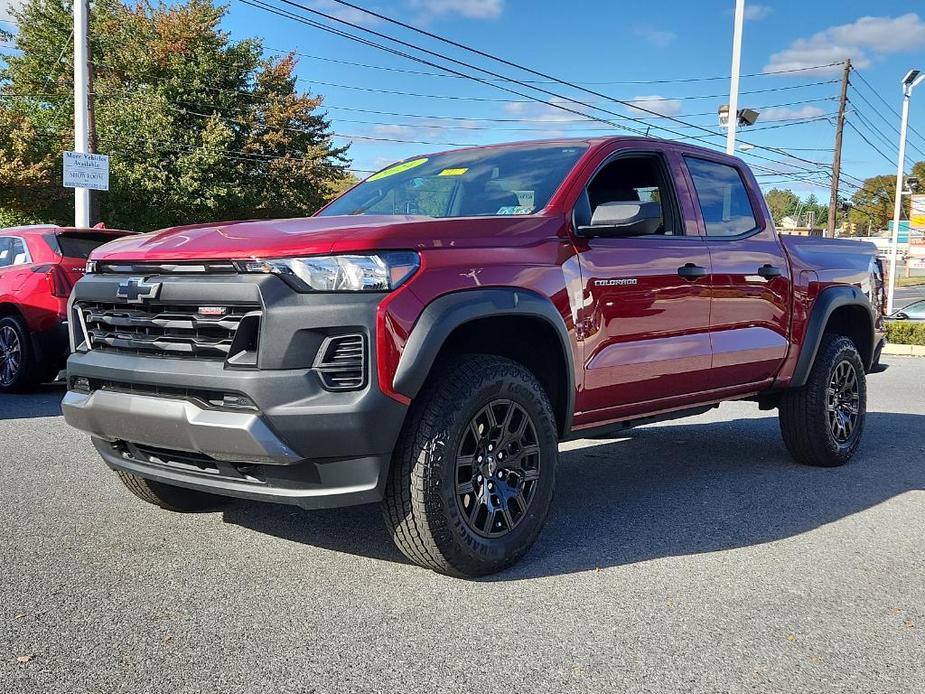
x: 836, y: 160
x: 81, y: 105
x: 734, y: 80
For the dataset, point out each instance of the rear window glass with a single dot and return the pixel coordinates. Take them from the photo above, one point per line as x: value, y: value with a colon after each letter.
x: 724, y: 202
x: 77, y: 245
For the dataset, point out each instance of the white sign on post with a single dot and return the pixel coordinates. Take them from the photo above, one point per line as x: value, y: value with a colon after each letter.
x: 83, y: 170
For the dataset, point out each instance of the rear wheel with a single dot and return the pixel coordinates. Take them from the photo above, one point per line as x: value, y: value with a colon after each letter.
x: 18, y: 370
x: 169, y: 497
x: 822, y: 422
x: 473, y: 474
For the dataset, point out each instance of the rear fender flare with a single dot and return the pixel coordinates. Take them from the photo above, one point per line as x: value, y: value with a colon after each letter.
x: 825, y: 305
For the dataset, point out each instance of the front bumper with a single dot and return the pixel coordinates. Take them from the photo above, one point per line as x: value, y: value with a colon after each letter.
x: 289, y: 439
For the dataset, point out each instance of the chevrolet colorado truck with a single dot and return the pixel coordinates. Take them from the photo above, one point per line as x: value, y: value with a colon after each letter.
x: 427, y: 339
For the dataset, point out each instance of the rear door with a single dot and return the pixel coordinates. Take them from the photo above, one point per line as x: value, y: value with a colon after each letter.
x: 750, y: 285
x: 645, y: 314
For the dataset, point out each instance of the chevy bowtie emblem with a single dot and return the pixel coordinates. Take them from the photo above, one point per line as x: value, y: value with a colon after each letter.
x: 135, y: 290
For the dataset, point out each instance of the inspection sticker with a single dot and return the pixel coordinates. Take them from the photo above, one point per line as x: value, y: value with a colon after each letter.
x: 397, y: 169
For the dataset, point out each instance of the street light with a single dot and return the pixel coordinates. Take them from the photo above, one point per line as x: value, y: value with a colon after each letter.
x: 910, y: 82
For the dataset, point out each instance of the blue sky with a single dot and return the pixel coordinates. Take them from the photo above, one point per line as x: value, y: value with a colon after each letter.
x: 628, y: 51
x: 614, y: 43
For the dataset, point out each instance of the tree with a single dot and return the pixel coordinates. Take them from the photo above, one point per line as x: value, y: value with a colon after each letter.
x: 197, y: 127
x: 872, y: 204
x: 781, y: 203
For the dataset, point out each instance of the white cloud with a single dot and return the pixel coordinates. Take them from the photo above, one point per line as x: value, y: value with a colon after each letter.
x: 861, y: 41
x: 756, y: 12
x: 659, y: 104
x: 785, y: 113
x: 470, y: 9
x: 656, y: 37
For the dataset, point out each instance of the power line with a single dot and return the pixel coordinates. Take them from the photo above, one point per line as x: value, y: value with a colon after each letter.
x: 895, y: 128
x: 887, y: 103
x: 424, y: 73
x: 304, y: 20
x: 871, y: 144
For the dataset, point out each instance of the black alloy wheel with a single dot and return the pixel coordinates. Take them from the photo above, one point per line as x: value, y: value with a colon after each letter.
x: 497, y: 468
x: 843, y: 401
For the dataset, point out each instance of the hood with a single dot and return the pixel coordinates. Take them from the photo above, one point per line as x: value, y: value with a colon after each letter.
x: 320, y: 235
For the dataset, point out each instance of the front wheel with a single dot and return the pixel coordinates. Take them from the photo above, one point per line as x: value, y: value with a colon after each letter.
x: 169, y: 497
x: 822, y: 422
x: 473, y: 474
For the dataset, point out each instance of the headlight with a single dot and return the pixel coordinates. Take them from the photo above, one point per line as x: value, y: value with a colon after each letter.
x: 376, y: 272
x: 90, y: 267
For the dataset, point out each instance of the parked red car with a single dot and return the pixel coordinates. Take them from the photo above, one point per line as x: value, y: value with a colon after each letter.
x: 38, y: 268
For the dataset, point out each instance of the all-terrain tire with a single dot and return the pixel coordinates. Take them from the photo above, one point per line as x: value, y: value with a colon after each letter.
x: 423, y: 508
x: 18, y: 369
x: 169, y: 497
x: 806, y: 416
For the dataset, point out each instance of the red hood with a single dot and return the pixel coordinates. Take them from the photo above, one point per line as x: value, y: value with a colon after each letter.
x: 319, y: 235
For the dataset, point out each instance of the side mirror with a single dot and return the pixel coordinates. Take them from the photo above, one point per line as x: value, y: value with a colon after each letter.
x: 901, y: 316
x: 624, y: 219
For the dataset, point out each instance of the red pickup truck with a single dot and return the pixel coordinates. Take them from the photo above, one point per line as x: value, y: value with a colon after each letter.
x: 429, y: 337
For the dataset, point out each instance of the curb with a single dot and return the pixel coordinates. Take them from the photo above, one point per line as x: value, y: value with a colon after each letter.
x: 904, y: 350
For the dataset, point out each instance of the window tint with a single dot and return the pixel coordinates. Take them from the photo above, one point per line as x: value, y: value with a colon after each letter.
x: 504, y: 180
x: 634, y: 179
x: 724, y: 202
x: 12, y: 251
x: 76, y: 246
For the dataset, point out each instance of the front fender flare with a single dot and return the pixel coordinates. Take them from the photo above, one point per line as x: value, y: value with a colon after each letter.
x: 447, y: 313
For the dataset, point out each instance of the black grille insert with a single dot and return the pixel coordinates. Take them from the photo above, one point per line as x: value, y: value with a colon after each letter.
x: 170, y: 330
x: 341, y: 362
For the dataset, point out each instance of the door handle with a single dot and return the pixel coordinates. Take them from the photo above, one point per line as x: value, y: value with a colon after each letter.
x: 692, y: 272
x: 769, y: 271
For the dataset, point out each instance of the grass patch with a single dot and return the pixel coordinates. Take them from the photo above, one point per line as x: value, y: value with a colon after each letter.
x: 905, y: 332
x: 910, y: 281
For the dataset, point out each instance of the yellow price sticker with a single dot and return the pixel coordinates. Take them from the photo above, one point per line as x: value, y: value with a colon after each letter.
x: 397, y: 169
x: 452, y: 172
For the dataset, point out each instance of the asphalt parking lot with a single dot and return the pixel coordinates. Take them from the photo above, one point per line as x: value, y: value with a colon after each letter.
x: 691, y: 556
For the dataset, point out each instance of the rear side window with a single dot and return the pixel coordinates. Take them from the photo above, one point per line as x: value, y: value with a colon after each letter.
x: 76, y: 245
x: 723, y: 197
x: 13, y: 251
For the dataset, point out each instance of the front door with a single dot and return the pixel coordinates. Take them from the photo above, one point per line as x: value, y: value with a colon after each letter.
x: 751, y: 285
x: 644, y: 322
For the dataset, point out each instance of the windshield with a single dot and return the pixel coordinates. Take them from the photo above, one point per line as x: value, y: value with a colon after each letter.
x: 477, y: 182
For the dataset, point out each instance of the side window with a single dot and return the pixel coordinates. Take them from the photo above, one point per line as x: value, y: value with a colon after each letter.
x: 18, y: 251
x: 6, y: 251
x: 641, y: 179
x: 723, y: 198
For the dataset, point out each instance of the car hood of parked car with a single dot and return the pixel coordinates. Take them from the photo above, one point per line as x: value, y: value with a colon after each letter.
x: 321, y: 235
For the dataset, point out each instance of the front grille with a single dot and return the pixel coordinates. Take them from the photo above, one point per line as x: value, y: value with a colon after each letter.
x: 341, y: 362
x: 170, y: 330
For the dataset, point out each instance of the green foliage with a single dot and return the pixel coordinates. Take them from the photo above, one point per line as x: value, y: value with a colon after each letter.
x: 197, y: 127
x: 905, y: 332
x: 781, y: 203
x: 786, y: 203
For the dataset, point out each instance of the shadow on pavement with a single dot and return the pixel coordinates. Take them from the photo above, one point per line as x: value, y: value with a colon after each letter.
x: 43, y: 401
x: 662, y: 491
